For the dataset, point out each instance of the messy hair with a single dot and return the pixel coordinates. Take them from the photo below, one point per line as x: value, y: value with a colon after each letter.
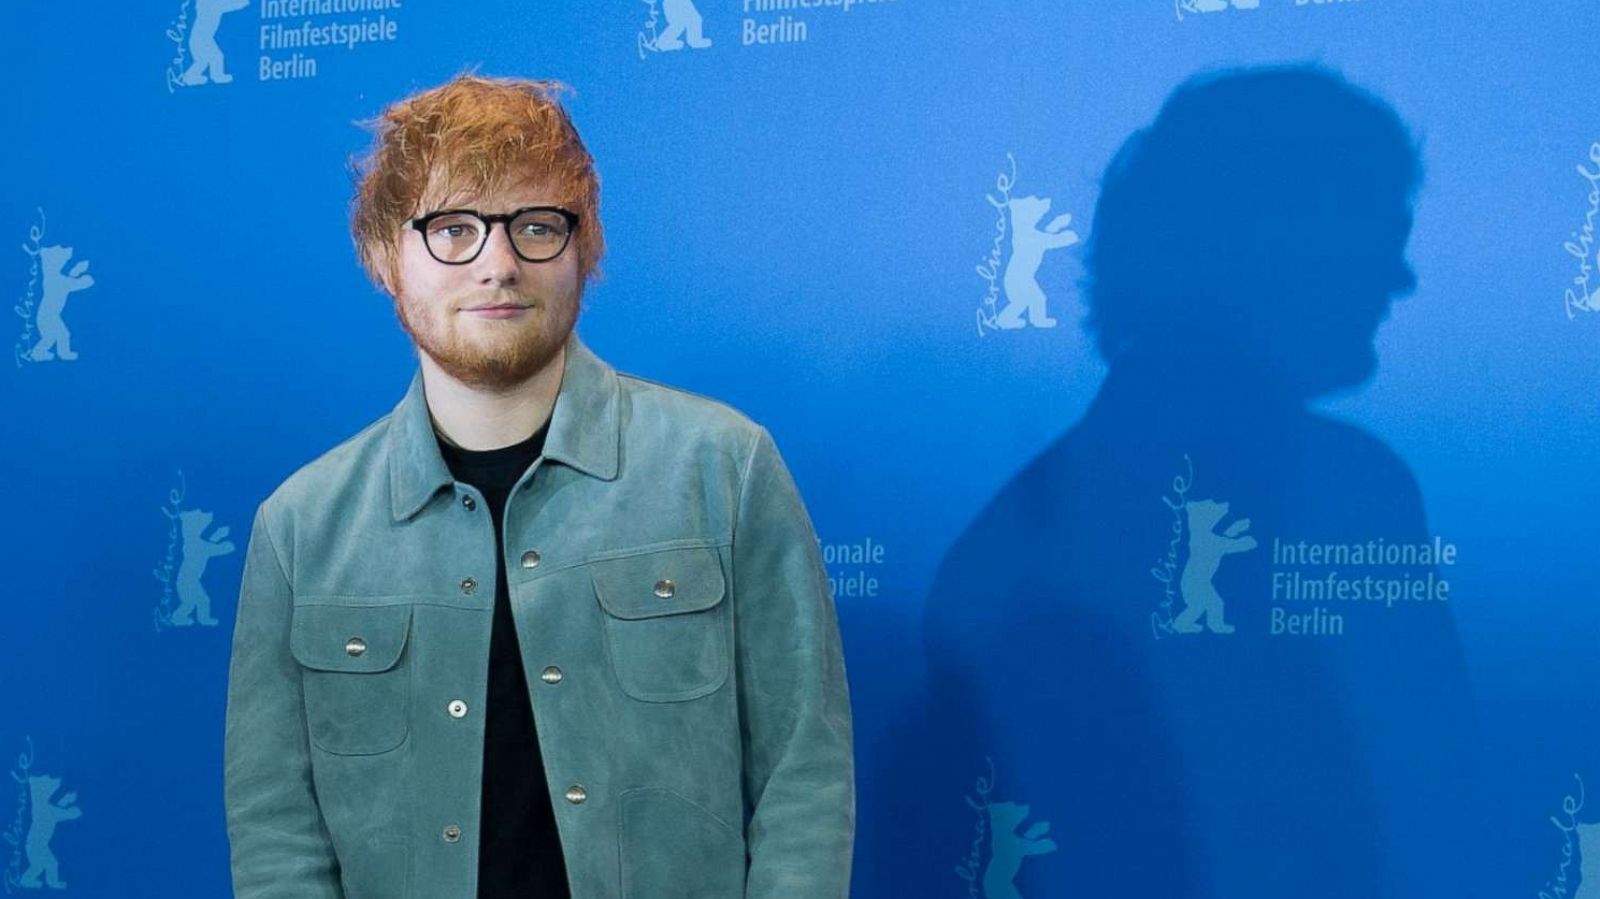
x: 469, y: 137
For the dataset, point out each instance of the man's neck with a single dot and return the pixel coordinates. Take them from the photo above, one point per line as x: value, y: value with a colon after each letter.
x: 475, y: 419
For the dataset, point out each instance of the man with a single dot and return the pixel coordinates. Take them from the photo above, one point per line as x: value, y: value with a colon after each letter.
x: 544, y: 630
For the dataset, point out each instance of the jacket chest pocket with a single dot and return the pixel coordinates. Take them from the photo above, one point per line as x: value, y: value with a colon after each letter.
x: 357, y: 689
x: 667, y: 627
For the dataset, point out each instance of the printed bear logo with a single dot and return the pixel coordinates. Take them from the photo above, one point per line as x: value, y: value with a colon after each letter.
x: 1588, y: 862
x: 197, y: 551
x: 208, y: 62
x: 1008, y: 848
x: 1216, y: 5
x: 1024, y: 296
x: 683, y: 25
x: 55, y: 342
x: 1206, y: 549
x: 46, y: 814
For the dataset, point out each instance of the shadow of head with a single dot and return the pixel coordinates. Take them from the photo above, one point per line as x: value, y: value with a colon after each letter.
x: 1258, y: 223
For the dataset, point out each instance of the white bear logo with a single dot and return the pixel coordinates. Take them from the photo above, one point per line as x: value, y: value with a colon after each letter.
x: 1206, y: 549
x: 1029, y: 243
x: 208, y: 62
x: 46, y: 814
x: 685, y: 27
x: 197, y: 551
x: 1008, y: 848
x: 55, y: 342
x: 1184, y: 6
x: 1588, y: 862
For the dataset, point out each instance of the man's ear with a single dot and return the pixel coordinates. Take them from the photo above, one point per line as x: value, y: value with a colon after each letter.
x: 386, y: 264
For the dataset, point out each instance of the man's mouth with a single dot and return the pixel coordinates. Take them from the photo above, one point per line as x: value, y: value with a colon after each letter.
x: 498, y: 306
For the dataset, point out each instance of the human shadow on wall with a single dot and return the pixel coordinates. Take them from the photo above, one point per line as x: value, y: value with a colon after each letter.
x: 1142, y: 675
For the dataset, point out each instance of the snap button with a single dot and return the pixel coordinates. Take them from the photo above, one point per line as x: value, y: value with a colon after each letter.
x: 355, y: 646
x: 468, y: 585
x: 457, y: 708
x: 576, y: 794
x: 452, y: 834
x: 551, y: 675
x: 469, y: 503
x: 664, y: 588
x: 530, y: 559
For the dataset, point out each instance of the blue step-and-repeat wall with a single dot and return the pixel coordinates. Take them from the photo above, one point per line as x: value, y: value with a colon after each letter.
x: 1196, y: 399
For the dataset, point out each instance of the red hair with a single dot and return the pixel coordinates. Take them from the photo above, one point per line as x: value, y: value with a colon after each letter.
x: 470, y: 137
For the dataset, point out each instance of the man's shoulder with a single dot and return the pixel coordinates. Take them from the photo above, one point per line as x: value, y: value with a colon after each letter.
x: 686, y: 414
x: 355, y: 458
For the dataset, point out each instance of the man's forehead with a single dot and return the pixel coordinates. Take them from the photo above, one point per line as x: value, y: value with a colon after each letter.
x: 525, y: 189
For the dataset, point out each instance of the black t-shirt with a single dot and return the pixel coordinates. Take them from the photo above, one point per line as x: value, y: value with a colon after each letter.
x: 519, y: 852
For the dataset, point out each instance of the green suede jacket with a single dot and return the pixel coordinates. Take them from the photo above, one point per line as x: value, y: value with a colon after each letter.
x: 675, y: 621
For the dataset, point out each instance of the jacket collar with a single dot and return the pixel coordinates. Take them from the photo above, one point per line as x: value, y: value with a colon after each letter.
x: 585, y: 429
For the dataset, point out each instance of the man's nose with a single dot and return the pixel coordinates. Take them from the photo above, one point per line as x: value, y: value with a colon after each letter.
x: 496, y: 262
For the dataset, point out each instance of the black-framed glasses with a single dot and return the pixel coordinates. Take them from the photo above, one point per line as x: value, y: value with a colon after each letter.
x: 457, y: 236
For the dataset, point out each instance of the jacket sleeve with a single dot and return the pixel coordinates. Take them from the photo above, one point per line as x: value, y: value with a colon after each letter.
x: 794, y: 704
x: 280, y: 845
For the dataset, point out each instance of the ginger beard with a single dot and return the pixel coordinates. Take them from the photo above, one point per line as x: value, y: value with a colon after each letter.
x: 489, y: 353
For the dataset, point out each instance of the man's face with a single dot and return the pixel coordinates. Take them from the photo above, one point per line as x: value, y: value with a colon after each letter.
x: 446, y: 308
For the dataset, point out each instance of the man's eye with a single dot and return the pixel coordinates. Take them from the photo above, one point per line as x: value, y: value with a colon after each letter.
x: 536, y: 230
x: 454, y: 230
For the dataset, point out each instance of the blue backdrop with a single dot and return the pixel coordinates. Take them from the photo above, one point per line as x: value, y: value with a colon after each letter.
x: 1296, y: 596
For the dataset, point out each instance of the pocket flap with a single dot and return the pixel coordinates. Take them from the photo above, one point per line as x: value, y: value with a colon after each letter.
x: 652, y: 584
x: 323, y: 636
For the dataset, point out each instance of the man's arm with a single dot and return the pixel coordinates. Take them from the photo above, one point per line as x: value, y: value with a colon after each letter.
x: 279, y: 842
x: 794, y: 705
